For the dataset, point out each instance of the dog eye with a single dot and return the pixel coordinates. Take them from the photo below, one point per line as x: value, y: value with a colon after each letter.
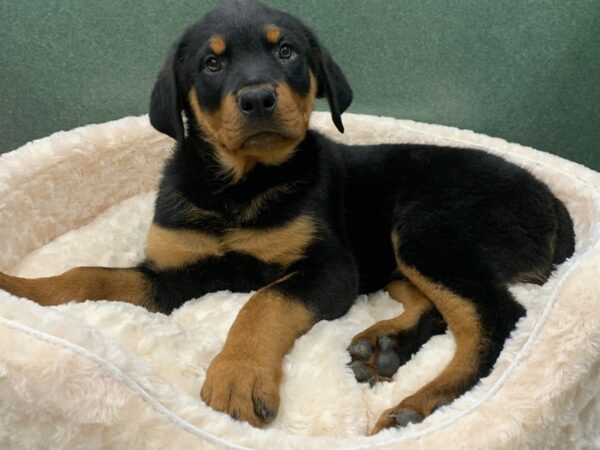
x: 286, y: 51
x: 213, y: 63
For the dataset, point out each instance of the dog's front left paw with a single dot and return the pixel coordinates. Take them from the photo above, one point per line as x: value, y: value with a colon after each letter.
x: 247, y: 390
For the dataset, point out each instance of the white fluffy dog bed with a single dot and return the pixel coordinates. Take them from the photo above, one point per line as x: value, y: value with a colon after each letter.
x: 112, y: 375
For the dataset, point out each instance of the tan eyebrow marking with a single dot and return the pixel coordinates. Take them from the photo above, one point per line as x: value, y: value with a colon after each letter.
x: 273, y: 34
x: 217, y: 44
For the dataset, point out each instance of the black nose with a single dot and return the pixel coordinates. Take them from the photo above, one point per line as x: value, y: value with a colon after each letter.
x: 257, y: 102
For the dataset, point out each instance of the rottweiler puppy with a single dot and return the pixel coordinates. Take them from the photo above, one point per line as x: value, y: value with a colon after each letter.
x: 252, y: 199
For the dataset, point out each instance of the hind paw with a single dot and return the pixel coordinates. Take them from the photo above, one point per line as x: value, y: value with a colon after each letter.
x: 375, y: 357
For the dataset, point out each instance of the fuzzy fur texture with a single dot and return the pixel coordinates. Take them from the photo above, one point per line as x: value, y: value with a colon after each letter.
x: 85, y: 197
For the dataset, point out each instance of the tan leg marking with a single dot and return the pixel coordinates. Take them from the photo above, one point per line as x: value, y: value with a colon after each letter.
x: 415, y: 305
x: 83, y: 283
x: 243, y: 379
x: 464, y: 322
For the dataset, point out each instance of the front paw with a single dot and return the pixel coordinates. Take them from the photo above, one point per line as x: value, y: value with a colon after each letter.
x: 246, y: 390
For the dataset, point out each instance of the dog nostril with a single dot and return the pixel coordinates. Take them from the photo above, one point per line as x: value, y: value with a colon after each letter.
x: 246, y: 105
x: 269, y: 100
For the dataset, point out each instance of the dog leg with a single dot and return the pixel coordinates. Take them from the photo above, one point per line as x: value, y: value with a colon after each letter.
x: 378, y: 351
x: 479, y: 336
x: 243, y: 379
x: 81, y: 284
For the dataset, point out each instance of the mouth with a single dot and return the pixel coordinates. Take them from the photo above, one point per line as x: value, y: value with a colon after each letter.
x: 265, y: 139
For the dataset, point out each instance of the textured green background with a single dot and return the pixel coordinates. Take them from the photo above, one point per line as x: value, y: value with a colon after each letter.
x: 526, y: 71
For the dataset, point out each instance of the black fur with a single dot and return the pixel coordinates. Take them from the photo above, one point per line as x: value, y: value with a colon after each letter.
x: 465, y: 219
x: 251, y: 200
x: 253, y: 67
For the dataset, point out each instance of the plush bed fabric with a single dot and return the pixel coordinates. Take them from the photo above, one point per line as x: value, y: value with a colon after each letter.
x: 112, y: 375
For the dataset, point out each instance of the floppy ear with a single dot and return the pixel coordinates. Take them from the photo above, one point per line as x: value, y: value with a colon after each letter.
x: 332, y: 84
x: 165, y: 106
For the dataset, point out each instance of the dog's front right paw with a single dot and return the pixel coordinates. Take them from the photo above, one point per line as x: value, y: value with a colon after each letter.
x: 246, y: 390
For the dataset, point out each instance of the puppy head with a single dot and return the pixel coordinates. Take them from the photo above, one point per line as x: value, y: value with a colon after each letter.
x: 246, y: 77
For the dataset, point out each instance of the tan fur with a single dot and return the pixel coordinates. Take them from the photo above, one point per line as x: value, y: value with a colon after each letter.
x: 284, y: 245
x: 464, y: 322
x: 293, y: 110
x: 415, y: 305
x: 273, y: 34
x: 173, y: 248
x: 245, y: 376
x: 83, y: 283
x: 217, y: 45
x: 217, y: 131
x: 227, y: 130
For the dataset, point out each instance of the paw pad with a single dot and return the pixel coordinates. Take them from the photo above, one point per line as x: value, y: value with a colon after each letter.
x: 362, y: 373
x: 361, y: 350
x: 388, y: 363
x: 372, y: 363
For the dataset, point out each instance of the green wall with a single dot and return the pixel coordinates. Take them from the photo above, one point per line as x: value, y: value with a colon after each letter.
x: 526, y: 71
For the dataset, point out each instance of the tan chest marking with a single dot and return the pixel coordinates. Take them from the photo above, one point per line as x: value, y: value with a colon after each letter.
x: 171, y: 248
x: 284, y: 245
